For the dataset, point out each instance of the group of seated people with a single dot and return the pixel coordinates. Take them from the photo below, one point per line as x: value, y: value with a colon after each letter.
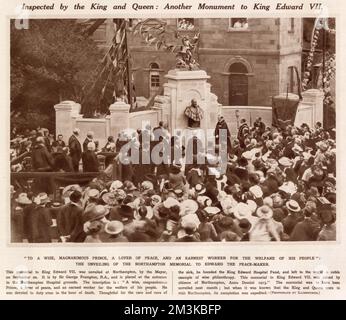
x: 279, y: 185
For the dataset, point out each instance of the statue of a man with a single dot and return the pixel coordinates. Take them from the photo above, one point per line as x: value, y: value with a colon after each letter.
x: 194, y: 114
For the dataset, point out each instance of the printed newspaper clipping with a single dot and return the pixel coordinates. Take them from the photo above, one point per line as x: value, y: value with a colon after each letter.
x: 172, y: 150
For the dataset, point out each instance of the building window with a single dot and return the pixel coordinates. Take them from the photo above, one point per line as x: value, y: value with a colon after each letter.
x: 186, y: 24
x: 238, y: 24
x: 291, y: 26
x: 154, y: 78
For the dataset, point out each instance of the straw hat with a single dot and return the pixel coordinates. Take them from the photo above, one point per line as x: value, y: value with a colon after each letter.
x: 170, y: 202
x: 190, y: 218
x: 95, y: 212
x: 114, y: 227
x: 264, y: 212
x: 188, y: 206
x: 256, y: 191
x: 42, y: 198
x: 242, y: 210
x: 211, y: 211
x: 293, y: 206
x: 69, y: 189
x: 93, y: 193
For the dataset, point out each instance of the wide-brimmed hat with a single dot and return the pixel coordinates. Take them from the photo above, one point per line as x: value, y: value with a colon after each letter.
x: 110, y: 199
x: 271, y: 162
x: 264, y: 212
x: 248, y: 155
x: 147, y: 185
x: 120, y: 194
x: 189, y: 219
x: 256, y: 191
x: 199, y: 188
x: 155, y: 199
x: 242, y: 210
x: 293, y: 206
x: 322, y: 145
x: 149, y: 212
x: 170, y: 202
x: 23, y: 199
x: 95, y: 212
x: 93, y: 193
x: 42, y: 198
x: 285, y: 162
x: 204, y: 201
x: 268, y: 201
x: 188, y: 206
x: 114, y: 227
x: 288, y: 187
x: 69, y: 189
x: 117, y: 184
x: 211, y: 211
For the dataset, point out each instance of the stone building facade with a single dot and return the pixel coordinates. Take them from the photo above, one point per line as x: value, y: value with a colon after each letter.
x: 248, y: 63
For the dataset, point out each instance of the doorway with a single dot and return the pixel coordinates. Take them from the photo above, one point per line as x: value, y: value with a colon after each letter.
x: 238, y: 85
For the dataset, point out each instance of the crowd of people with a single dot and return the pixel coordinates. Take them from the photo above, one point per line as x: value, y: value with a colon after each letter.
x: 279, y: 185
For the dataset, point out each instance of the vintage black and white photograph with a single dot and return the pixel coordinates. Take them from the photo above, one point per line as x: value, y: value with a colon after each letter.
x: 172, y: 130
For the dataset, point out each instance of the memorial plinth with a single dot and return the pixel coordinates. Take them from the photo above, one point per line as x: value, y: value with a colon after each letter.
x: 180, y: 89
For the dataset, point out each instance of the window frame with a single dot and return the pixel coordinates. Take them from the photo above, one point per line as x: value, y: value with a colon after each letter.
x: 232, y: 29
x: 193, y: 22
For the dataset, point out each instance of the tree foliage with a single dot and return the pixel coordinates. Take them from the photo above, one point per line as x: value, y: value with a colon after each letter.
x: 51, y: 61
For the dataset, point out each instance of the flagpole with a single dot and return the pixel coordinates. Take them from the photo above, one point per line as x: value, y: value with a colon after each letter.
x: 128, y: 67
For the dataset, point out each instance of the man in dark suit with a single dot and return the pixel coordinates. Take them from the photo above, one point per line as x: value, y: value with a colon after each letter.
x: 60, y: 142
x: 75, y: 149
x: 89, y: 138
x: 69, y: 216
x: 306, y: 230
x: 89, y: 159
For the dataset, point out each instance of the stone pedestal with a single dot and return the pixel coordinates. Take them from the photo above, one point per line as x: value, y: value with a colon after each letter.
x: 119, y: 117
x: 315, y: 97
x: 66, y: 113
x: 180, y: 89
x: 310, y: 109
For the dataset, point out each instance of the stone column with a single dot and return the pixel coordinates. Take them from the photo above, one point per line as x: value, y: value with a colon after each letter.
x: 65, y: 114
x: 315, y: 98
x: 119, y: 117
